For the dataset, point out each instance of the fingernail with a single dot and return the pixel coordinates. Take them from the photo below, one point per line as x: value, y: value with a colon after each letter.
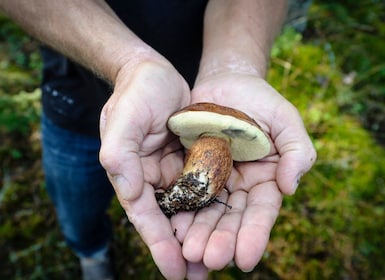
x: 296, y: 183
x: 122, y: 187
x: 248, y: 270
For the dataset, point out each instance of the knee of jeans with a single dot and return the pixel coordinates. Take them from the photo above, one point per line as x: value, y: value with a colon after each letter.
x: 86, y: 235
x: 82, y: 214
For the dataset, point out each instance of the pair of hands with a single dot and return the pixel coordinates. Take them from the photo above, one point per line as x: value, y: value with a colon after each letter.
x: 140, y: 155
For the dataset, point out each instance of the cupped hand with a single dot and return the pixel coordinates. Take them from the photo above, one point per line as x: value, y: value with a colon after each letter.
x: 139, y: 154
x: 217, y: 235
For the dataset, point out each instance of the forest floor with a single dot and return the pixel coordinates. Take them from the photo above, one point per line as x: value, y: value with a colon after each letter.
x: 333, y: 228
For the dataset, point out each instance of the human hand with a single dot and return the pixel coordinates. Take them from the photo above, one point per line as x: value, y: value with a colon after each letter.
x: 139, y: 154
x: 217, y: 235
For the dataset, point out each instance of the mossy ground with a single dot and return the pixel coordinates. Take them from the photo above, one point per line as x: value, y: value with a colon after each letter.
x: 332, y: 228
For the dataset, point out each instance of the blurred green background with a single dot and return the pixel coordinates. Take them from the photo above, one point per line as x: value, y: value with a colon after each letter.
x: 332, y: 228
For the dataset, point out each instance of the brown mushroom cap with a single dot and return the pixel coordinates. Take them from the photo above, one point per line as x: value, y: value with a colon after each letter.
x: 247, y: 140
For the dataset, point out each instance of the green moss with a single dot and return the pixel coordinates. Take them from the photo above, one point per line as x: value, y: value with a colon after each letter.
x: 20, y: 112
x: 332, y: 228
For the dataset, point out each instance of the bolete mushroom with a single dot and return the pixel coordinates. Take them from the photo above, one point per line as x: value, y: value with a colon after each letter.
x: 214, y: 136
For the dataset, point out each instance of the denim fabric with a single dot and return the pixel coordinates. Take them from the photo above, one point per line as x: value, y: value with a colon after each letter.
x: 78, y: 187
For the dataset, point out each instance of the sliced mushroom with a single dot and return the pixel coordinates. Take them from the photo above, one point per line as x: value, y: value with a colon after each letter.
x: 215, y: 136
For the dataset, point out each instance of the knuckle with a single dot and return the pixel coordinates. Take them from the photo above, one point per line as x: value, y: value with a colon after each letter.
x: 108, y: 159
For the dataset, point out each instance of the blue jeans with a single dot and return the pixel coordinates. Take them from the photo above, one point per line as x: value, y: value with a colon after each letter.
x: 78, y: 187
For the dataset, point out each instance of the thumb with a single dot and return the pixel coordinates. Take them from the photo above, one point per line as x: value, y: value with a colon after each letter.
x: 119, y: 152
x: 292, y: 165
x: 127, y: 188
x: 297, y: 155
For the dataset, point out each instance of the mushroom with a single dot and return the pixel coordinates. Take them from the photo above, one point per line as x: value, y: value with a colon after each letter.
x: 214, y: 136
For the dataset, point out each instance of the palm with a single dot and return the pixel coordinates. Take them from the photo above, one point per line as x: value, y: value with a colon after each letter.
x: 278, y: 117
x: 216, y: 235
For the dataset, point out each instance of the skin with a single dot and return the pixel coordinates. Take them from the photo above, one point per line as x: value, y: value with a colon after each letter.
x: 138, y: 152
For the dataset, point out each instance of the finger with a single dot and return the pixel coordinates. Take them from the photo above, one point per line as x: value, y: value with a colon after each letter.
x: 181, y: 224
x: 196, y: 271
x: 156, y: 232
x: 162, y: 167
x: 297, y: 156
x: 248, y: 174
x: 220, y: 248
x: 171, y: 164
x: 263, y: 204
x: 117, y: 162
x: 292, y: 166
x: 204, y: 223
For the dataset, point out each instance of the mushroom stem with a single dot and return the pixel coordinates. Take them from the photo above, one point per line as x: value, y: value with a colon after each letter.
x: 207, y: 168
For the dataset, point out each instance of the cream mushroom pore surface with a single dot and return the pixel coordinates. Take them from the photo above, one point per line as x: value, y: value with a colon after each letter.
x: 247, y: 140
x: 214, y: 136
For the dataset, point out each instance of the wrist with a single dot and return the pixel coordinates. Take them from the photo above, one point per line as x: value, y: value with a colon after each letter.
x: 129, y: 60
x: 146, y: 67
x: 238, y: 36
x: 232, y: 62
